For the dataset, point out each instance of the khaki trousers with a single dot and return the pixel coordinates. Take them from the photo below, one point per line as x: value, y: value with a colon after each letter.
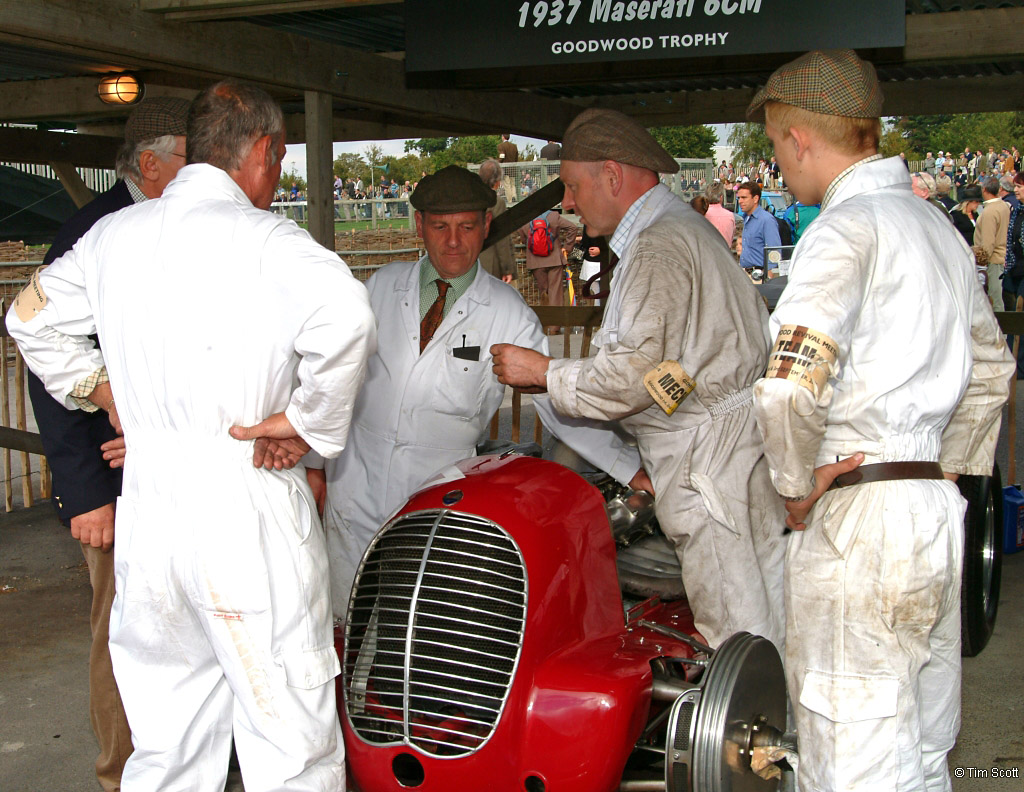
x: 109, y: 723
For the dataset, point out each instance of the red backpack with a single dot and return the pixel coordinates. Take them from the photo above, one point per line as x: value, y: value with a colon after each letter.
x: 541, y: 240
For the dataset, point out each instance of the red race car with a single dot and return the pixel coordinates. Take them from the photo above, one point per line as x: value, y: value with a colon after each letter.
x: 488, y: 646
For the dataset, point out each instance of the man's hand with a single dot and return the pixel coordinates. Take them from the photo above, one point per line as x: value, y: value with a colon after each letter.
x: 506, y: 278
x: 103, y: 397
x: 520, y: 367
x: 95, y: 528
x: 641, y: 481
x: 317, y: 479
x: 823, y: 478
x: 278, y: 446
x: 114, y: 452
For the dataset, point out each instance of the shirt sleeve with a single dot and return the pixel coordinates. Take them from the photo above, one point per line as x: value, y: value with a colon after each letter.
x: 610, y: 385
x: 334, y: 343
x: 51, y: 321
x: 822, y: 295
x: 596, y: 441
x: 969, y: 440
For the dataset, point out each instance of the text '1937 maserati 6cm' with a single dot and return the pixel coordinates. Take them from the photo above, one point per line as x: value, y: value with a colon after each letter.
x: 489, y: 646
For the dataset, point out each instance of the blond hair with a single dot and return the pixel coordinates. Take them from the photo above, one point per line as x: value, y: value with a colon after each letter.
x: 846, y: 135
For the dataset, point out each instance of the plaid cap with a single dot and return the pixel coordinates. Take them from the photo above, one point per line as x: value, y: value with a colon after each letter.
x: 596, y: 135
x: 153, y: 118
x: 830, y: 82
x: 452, y: 190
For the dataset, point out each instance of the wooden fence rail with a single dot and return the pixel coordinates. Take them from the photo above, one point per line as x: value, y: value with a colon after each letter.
x: 18, y: 439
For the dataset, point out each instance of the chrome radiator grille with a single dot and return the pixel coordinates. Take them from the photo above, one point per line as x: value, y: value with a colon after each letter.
x: 434, y: 632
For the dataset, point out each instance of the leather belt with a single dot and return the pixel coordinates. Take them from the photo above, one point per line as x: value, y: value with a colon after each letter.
x: 888, y: 471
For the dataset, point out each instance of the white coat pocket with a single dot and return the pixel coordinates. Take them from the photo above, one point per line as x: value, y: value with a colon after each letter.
x: 461, y: 385
x: 857, y: 711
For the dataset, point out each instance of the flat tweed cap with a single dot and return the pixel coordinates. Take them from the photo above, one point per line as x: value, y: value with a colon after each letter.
x: 596, y: 135
x: 153, y: 118
x: 830, y: 82
x: 450, y: 190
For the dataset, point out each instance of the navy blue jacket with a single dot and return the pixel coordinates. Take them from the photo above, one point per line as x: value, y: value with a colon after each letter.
x: 82, y: 480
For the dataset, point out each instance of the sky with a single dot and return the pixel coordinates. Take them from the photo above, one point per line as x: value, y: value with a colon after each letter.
x: 295, y: 158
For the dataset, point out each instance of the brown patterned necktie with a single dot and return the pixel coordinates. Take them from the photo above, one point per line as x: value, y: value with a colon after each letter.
x: 435, y: 313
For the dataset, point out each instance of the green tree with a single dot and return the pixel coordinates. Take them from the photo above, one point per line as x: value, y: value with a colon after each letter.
x: 464, y: 150
x: 750, y: 142
x: 427, y: 146
x: 349, y: 166
x: 955, y: 132
x: 291, y: 177
x: 893, y: 142
x: 695, y: 142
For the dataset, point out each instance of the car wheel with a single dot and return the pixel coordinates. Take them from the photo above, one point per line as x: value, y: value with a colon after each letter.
x: 983, y: 559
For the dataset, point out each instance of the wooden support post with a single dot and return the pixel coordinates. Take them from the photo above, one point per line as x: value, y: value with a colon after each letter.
x: 19, y: 409
x: 319, y: 170
x: 5, y: 419
x: 73, y: 183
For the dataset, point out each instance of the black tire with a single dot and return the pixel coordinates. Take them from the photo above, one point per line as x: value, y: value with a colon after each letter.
x: 983, y: 559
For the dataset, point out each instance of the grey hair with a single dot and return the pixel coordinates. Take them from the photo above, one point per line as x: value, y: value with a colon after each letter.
x: 490, y: 172
x: 990, y: 185
x: 943, y: 184
x: 926, y: 180
x: 1006, y: 183
x: 226, y: 120
x: 715, y: 193
x: 127, y: 164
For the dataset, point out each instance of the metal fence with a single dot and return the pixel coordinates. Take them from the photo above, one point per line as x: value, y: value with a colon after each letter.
x: 96, y: 179
x: 347, y: 210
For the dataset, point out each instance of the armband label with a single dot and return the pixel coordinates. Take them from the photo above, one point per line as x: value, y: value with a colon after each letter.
x: 30, y: 300
x: 804, y: 356
x: 669, y: 385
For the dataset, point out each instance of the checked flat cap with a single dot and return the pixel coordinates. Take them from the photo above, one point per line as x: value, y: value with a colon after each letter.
x: 153, y: 118
x: 452, y: 190
x: 596, y: 135
x: 830, y: 82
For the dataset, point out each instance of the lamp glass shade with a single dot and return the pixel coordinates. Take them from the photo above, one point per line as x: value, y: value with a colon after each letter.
x: 121, y: 89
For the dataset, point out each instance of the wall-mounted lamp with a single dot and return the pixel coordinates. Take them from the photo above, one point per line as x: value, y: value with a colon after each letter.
x: 120, y: 89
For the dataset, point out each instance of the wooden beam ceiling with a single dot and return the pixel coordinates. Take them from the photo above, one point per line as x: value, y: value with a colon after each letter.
x: 32, y: 146
x: 237, y: 49
x: 66, y: 98
x: 195, y: 10
x: 910, y: 97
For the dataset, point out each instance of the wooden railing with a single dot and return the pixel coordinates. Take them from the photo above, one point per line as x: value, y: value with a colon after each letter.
x: 24, y: 443
x: 17, y: 438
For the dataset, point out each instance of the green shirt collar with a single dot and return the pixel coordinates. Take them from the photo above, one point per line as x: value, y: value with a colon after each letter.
x: 428, y: 289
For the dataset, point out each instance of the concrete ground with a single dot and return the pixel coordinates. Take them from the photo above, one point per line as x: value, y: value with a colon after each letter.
x: 46, y: 743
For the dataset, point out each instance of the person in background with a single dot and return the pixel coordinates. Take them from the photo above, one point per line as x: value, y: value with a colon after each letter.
x: 699, y: 204
x: 965, y: 214
x: 990, y: 235
x: 548, y: 239
x: 720, y: 217
x: 760, y: 229
x: 499, y: 259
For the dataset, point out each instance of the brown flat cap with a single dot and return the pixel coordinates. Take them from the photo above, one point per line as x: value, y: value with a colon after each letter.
x: 830, y: 82
x: 596, y: 135
x: 153, y: 118
x: 450, y: 190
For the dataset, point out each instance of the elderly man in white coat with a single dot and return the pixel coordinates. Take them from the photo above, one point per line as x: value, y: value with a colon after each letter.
x: 221, y: 622
x: 429, y: 391
x: 684, y: 338
x: 887, y: 353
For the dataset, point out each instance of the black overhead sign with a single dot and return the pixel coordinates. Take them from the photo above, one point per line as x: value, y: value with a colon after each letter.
x: 485, y: 34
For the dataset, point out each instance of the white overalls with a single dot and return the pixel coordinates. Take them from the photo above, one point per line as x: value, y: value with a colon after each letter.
x: 213, y: 313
